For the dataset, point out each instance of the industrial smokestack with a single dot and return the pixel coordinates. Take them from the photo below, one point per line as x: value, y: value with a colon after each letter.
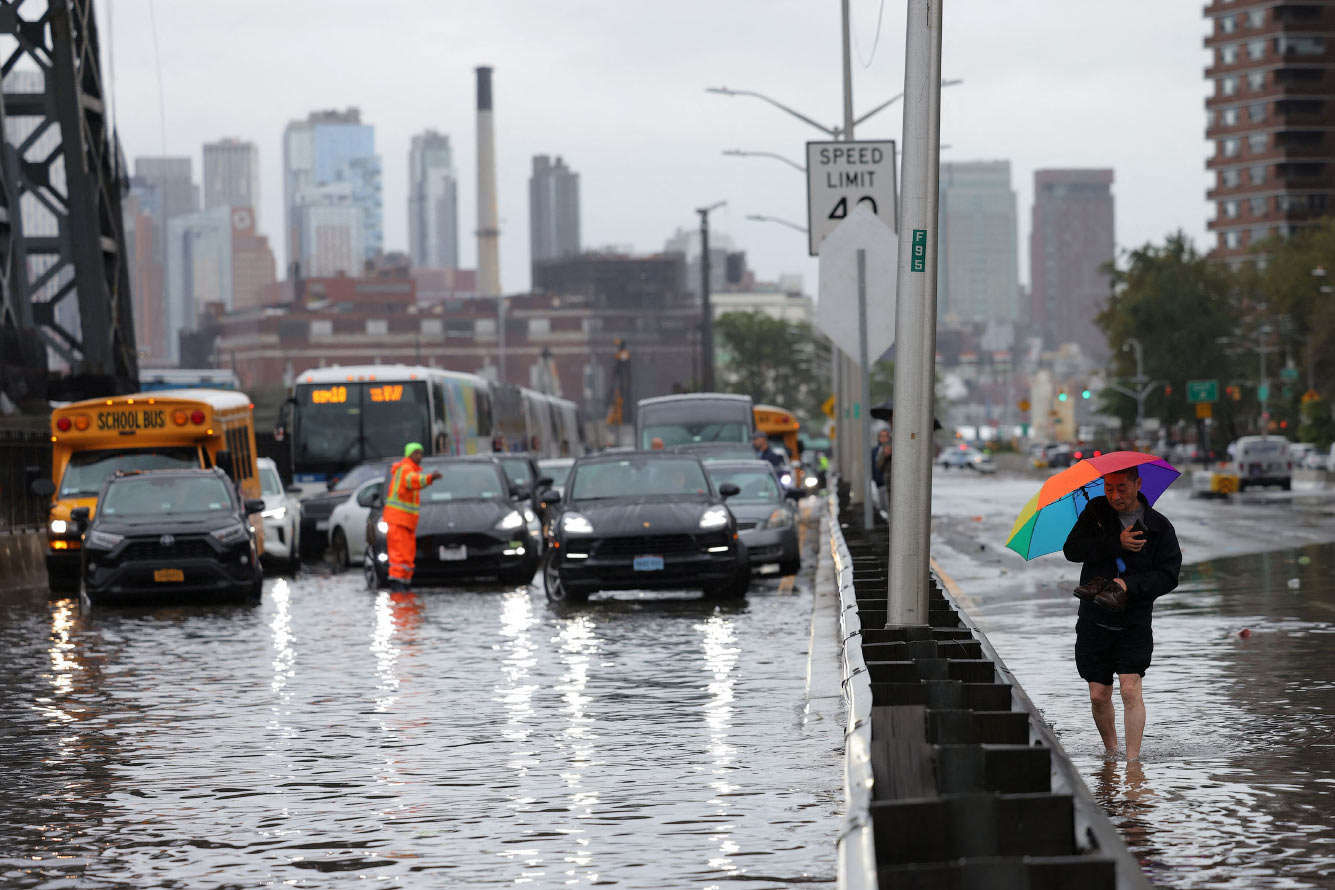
x: 488, y: 226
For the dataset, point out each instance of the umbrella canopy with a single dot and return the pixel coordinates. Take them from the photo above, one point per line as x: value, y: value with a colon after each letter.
x: 1050, y: 514
x: 886, y: 411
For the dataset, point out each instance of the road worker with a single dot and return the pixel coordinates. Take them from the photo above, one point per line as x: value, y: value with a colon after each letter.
x: 406, y: 480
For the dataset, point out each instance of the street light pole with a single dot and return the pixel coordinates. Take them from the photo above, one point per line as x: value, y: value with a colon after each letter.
x: 1139, y: 380
x: 707, y: 313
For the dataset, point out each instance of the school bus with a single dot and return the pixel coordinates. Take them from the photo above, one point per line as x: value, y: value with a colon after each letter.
x: 779, y: 423
x: 93, y: 439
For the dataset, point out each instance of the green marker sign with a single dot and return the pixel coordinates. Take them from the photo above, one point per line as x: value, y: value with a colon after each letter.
x: 918, y: 260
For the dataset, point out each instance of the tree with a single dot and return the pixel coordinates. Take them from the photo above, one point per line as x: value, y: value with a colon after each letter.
x: 774, y: 361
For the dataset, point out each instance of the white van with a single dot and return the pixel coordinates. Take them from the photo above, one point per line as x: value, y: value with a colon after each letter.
x: 1263, y: 460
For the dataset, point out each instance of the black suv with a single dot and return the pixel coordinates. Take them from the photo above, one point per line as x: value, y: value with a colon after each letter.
x: 167, y: 532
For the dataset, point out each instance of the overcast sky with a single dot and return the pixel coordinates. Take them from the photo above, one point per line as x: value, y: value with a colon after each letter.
x: 617, y: 88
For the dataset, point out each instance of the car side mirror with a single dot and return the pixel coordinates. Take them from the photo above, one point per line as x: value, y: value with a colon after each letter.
x: 518, y: 492
x: 551, y: 496
x: 42, y: 488
x: 254, y: 505
x: 728, y: 489
x: 293, y: 489
x: 369, y: 497
x: 79, y: 516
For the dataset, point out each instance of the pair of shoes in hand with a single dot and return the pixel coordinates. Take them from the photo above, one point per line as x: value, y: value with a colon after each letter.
x: 1103, y: 592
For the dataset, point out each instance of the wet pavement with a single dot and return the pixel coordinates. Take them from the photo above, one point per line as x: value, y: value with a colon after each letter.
x: 333, y: 736
x: 1237, y: 784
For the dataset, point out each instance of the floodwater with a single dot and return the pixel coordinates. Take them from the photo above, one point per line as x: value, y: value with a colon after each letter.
x: 1237, y: 784
x: 333, y: 736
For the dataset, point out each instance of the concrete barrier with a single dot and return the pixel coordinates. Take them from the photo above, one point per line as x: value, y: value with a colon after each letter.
x: 21, y: 563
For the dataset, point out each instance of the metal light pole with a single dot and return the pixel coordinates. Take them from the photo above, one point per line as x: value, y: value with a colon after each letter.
x: 1262, y: 385
x: 1134, y: 344
x: 707, y: 312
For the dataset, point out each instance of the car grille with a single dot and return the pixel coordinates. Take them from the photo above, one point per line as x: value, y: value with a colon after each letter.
x: 474, y: 542
x: 746, y: 526
x: 187, y: 548
x: 639, y: 545
x: 315, y: 510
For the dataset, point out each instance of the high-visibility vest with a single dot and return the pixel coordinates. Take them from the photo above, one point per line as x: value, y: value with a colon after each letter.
x: 404, y: 500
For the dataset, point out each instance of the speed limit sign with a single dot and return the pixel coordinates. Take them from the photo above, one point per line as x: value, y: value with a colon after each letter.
x: 844, y: 175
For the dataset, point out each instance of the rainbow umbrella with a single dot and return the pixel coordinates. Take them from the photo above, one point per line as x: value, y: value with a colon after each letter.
x: 1050, y: 515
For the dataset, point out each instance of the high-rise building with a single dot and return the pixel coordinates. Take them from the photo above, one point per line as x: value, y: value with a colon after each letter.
x: 232, y: 175
x: 329, y: 160
x: 1271, y: 119
x: 553, y: 210
x: 1070, y: 242
x: 433, y: 203
x: 978, y: 277
x: 167, y: 190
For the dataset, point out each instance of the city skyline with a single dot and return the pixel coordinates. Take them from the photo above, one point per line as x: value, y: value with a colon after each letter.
x: 1048, y: 96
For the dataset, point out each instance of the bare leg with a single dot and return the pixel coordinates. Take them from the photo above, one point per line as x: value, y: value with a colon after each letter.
x: 1133, y: 716
x: 1105, y: 718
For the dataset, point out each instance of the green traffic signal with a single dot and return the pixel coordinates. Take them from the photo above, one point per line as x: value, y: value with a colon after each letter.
x: 1084, y: 393
x: 1061, y: 396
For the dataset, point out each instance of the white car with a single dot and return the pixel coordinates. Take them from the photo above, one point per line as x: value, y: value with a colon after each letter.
x: 966, y: 457
x: 347, y: 526
x: 281, y: 516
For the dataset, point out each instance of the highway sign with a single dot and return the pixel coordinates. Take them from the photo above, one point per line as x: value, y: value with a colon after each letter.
x: 1202, y: 391
x: 837, y: 295
x: 845, y: 175
x: 1204, y: 410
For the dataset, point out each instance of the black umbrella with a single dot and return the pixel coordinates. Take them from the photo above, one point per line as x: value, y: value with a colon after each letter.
x: 886, y: 411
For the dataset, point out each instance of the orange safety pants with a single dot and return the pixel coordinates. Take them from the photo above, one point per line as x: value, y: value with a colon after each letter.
x: 402, y: 551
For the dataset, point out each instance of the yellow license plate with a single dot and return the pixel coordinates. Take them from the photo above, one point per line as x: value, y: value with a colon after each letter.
x: 168, y: 575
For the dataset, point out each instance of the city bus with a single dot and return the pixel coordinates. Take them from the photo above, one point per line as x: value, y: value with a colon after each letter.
x: 165, y: 429
x: 337, y: 417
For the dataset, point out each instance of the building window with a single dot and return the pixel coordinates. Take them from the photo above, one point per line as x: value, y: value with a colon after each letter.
x: 1209, y: 119
x: 1228, y: 55
x: 433, y: 327
x: 539, y: 327
x: 1316, y: 202
x: 1295, y: 45
x: 1226, y: 24
x: 1228, y: 148
x: 1255, y: 49
x: 1232, y: 240
x: 485, y: 329
x: 1256, y: 206
x: 377, y: 326
x: 1256, y: 142
x: 1229, y: 179
x: 1256, y: 112
x: 322, y: 327
x: 1228, y: 209
x: 1258, y: 234
x: 1256, y: 18
x: 1256, y: 81
x: 1258, y: 174
x: 1227, y: 85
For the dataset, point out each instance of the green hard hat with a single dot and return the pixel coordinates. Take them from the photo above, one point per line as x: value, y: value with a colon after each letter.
x: 411, y: 447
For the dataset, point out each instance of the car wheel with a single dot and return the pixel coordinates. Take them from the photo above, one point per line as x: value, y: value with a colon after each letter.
x: 557, y: 591
x: 734, y: 588
x: 790, y: 567
x: 371, y: 573
x: 256, y: 592
x: 1286, y: 485
x: 521, y: 575
x: 294, y: 552
x: 342, y: 559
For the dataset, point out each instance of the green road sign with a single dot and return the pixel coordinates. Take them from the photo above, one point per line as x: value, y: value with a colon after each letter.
x: 918, y: 262
x: 1202, y: 390
x: 1288, y: 373
x: 1263, y: 392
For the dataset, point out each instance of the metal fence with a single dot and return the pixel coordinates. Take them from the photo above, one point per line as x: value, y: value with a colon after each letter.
x: 25, y: 455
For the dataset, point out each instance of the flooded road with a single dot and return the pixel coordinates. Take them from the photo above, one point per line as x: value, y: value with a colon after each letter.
x: 332, y: 736
x: 1237, y: 787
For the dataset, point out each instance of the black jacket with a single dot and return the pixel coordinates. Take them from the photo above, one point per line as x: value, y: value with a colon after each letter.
x: 1096, y: 541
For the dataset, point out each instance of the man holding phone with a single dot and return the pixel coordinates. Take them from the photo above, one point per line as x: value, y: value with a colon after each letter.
x: 1131, y: 557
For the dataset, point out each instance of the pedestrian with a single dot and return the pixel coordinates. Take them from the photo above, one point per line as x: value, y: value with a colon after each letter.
x: 881, y: 454
x: 1131, y: 557
x: 497, y: 443
x: 406, y: 480
x: 760, y: 442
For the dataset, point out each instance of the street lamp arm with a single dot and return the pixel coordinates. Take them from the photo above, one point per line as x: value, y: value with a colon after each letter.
x: 774, y: 219
x: 832, y: 132
x: 895, y: 98
x: 738, y: 153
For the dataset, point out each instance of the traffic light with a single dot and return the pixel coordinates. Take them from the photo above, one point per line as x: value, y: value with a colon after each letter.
x: 1168, y: 390
x: 1061, y: 396
x: 1085, y: 393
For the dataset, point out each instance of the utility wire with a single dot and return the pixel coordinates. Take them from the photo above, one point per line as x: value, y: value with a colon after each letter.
x: 157, y: 61
x: 880, y: 15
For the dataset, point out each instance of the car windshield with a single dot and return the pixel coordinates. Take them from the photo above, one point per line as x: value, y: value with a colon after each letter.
x: 758, y: 485
x: 557, y: 471
x: 165, y: 495
x: 463, y: 482
x: 360, y: 475
x: 87, y: 470
x: 638, y: 477
x: 270, y: 482
x: 518, y: 469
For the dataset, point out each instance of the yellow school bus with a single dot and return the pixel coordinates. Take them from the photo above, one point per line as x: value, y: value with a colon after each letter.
x: 93, y: 439
x: 779, y: 423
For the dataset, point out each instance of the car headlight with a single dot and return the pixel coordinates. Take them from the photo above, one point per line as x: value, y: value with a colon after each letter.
x: 529, y: 515
x: 575, y: 524
x: 382, y: 526
x: 811, y: 481
x: 512, y: 520
x: 103, y: 540
x: 780, y: 518
x: 231, y: 534
x: 275, y: 513
x: 786, y: 479
x: 714, y: 517
x: 59, y: 526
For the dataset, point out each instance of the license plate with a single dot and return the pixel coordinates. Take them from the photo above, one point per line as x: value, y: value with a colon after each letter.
x: 648, y: 563
x: 453, y: 554
x: 322, y: 525
x: 168, y: 575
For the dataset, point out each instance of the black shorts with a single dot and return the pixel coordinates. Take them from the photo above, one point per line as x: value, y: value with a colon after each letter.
x: 1101, y: 652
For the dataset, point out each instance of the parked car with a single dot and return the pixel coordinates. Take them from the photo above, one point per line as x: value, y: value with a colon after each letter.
x: 1298, y: 452
x: 766, y: 517
x: 347, y: 525
x: 1316, y: 460
x: 282, y: 518
x: 317, y: 508
x: 522, y: 470
x: 170, y: 533
x: 648, y: 520
x: 472, y: 523
x: 1262, y: 460
x: 966, y: 457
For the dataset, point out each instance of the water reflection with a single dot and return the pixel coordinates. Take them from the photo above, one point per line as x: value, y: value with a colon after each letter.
x: 719, y: 643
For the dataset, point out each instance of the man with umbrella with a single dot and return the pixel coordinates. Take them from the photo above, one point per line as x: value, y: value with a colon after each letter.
x: 1131, y: 557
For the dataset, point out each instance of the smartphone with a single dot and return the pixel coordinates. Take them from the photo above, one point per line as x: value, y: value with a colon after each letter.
x: 1139, y: 526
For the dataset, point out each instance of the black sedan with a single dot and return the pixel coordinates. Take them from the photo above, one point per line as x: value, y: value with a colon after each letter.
x: 643, y: 521
x: 766, y: 517
x: 472, y: 523
x: 167, y: 534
